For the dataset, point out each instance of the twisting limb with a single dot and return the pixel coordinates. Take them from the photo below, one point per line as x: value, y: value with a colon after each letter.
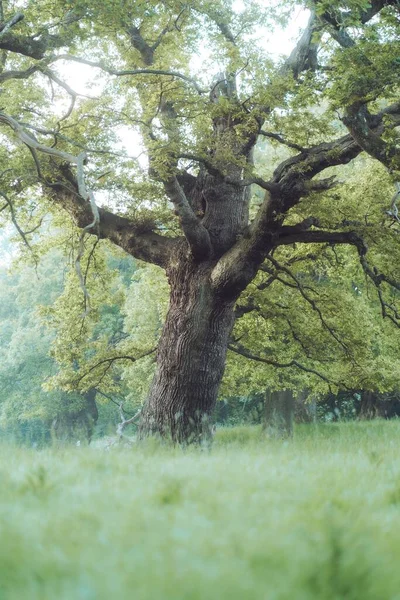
x: 265, y: 185
x: 250, y: 305
x: 73, y: 95
x: 91, y: 254
x: 6, y: 75
x: 289, y: 184
x: 304, y: 56
x: 294, y: 286
x: 359, y: 122
x: 335, y: 19
x: 281, y: 365
x: 291, y: 235
x: 58, y: 135
x: 36, y: 161
x: 305, y: 349
x: 395, y: 317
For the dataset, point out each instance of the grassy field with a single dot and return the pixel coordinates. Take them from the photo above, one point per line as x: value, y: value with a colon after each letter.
x: 314, y: 518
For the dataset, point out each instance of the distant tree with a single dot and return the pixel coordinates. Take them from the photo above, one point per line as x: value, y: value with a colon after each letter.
x: 27, y: 411
x: 187, y: 206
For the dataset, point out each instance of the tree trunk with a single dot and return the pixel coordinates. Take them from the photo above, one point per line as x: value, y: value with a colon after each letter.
x: 304, y: 410
x: 375, y: 406
x: 72, y: 426
x: 279, y: 414
x: 190, y: 359
x: 369, y: 406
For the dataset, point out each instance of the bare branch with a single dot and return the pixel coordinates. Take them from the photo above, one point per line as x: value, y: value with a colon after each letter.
x: 111, y: 399
x: 125, y: 422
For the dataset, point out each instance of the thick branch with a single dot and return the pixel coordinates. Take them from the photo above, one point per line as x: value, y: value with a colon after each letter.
x: 30, y: 141
x: 290, y: 182
x: 122, y: 231
x: 79, y: 201
x: 24, y: 45
x: 337, y: 21
x: 6, y: 75
x: 304, y: 56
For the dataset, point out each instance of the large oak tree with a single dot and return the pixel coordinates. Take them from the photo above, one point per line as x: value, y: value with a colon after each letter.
x: 192, y: 87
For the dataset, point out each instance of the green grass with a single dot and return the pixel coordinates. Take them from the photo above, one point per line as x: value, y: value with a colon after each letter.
x: 314, y: 518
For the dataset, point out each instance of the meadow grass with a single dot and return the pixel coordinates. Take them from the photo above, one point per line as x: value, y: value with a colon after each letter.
x: 317, y: 517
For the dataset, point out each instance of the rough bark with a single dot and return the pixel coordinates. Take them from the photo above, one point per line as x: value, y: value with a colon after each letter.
x: 279, y: 414
x: 191, y: 357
